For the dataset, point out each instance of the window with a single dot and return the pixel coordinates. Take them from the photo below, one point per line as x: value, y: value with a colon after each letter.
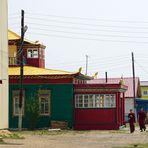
x: 85, y: 101
x: 44, y: 99
x: 32, y: 53
x: 90, y: 101
x: 16, y: 102
x: 95, y: 101
x: 107, y: 101
x: 145, y: 92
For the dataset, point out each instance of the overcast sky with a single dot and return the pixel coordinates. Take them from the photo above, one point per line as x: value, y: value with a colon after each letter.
x: 105, y: 30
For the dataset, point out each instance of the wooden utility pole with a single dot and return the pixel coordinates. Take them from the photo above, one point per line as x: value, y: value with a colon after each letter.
x: 106, y: 78
x: 21, y: 72
x: 86, y: 64
x: 134, y: 93
x: 133, y: 69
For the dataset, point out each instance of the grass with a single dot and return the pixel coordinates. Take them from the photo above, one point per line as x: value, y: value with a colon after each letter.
x: 13, y: 135
x: 135, y: 146
x: 42, y: 132
x: 2, y: 142
x: 46, y: 132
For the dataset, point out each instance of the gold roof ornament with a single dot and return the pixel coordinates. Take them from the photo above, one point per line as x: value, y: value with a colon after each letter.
x: 121, y: 80
x: 80, y: 70
x: 95, y: 75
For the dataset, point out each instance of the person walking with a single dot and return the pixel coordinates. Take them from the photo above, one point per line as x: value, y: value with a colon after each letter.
x: 131, y: 117
x: 141, y: 119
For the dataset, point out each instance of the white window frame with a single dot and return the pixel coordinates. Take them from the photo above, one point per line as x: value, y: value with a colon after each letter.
x: 145, y: 92
x: 44, y: 94
x: 32, y: 54
x: 15, y: 99
x: 95, y: 101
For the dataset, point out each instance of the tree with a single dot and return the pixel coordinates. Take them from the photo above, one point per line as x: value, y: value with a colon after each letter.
x: 33, y: 111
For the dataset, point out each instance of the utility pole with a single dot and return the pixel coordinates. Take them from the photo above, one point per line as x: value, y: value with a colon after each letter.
x: 86, y: 64
x: 23, y: 30
x: 134, y: 94
x: 133, y: 69
x: 106, y: 78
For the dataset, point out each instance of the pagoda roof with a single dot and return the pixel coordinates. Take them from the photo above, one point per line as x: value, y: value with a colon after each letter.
x: 43, y: 72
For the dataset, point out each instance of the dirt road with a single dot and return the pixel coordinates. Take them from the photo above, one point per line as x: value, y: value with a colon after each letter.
x: 78, y: 139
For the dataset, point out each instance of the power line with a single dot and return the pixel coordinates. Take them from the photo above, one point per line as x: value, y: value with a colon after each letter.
x: 95, y: 60
x: 90, y: 39
x: 140, y: 66
x: 94, y: 64
x: 89, y: 34
x: 87, y: 24
x: 84, y: 18
x: 78, y: 28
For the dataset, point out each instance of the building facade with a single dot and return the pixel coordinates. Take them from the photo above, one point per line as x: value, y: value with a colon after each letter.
x: 3, y: 64
x: 99, y: 106
x: 144, y: 89
x: 53, y: 89
x: 129, y: 96
x: 33, y: 52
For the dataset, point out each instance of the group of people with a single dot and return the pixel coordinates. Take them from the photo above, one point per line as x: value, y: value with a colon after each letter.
x: 141, y: 120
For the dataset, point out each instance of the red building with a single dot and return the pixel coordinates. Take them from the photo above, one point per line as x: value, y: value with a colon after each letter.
x: 33, y: 52
x: 99, y: 106
x: 129, y: 94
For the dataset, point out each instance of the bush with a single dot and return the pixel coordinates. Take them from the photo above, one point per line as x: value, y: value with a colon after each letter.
x: 33, y: 112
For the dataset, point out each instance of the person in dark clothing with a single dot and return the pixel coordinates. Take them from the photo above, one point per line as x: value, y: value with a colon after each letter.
x: 141, y: 119
x: 131, y: 117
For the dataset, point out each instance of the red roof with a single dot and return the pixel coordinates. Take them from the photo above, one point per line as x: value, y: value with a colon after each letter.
x: 127, y: 81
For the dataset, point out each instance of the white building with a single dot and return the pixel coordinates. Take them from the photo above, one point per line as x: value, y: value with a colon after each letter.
x: 3, y: 64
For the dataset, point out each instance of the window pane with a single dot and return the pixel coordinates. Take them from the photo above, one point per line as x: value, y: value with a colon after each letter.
x: 101, y: 100
x: 107, y: 101
x: 35, y: 53
x: 46, y: 108
x: 76, y: 101
x: 44, y: 105
x: 97, y: 101
x: 90, y: 101
x: 80, y: 101
x: 113, y: 101
x: 86, y: 101
x: 29, y: 53
x: 16, y: 96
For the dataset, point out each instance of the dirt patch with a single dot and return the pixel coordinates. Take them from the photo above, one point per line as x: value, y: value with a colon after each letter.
x: 79, y: 139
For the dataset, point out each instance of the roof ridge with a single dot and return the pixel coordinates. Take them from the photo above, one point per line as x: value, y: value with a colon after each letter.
x: 49, y: 69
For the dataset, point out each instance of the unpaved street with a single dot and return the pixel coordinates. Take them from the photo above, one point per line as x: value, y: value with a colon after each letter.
x: 78, y: 139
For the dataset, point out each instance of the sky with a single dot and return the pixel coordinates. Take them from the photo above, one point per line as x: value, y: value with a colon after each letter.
x: 105, y: 31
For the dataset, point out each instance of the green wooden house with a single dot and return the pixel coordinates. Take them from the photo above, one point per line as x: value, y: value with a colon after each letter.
x: 53, y: 89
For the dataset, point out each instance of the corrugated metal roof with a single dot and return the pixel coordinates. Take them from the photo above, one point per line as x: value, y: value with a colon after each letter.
x: 143, y: 83
x: 128, y: 81
x: 13, y: 36
x: 29, y: 70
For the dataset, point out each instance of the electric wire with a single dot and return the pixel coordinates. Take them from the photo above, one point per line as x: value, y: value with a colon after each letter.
x: 90, y: 39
